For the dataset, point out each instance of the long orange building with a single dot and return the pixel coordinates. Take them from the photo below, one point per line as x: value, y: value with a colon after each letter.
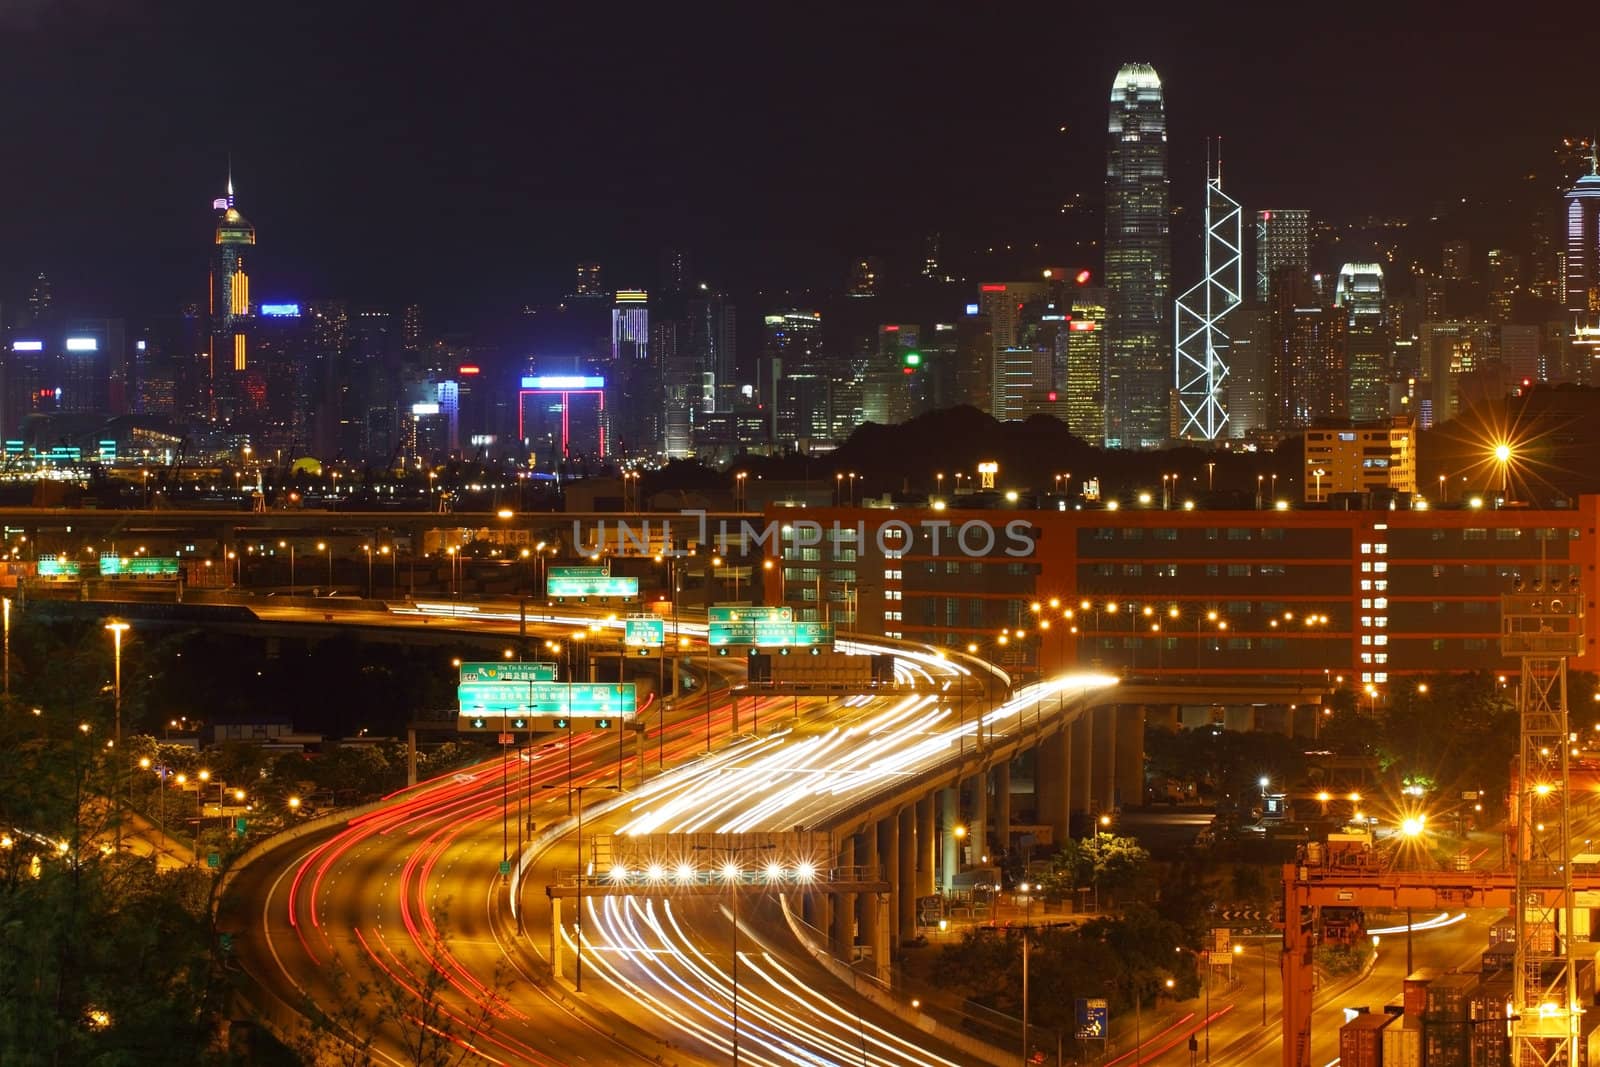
x: 1369, y: 596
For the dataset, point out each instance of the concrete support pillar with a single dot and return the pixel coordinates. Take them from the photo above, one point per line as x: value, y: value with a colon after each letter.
x: 1164, y: 716
x: 978, y: 828
x: 411, y: 756
x: 1130, y: 755
x: 949, y: 818
x: 843, y: 940
x: 1001, y: 776
x: 889, y: 859
x: 1052, y: 784
x: 867, y: 904
x: 1290, y: 713
x: 1079, y: 750
x: 1103, y: 767
x: 882, y: 923
x: 1239, y: 718
x: 905, y: 862
x: 925, y: 840
x: 555, y: 937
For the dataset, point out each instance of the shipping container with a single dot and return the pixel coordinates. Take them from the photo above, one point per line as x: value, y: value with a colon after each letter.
x: 1361, y: 1040
x: 1415, y: 997
x: 1402, y: 1042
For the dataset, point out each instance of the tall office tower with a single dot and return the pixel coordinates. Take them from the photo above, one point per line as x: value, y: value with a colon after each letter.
x: 712, y: 332
x: 1000, y: 305
x: 1359, y: 291
x: 891, y: 375
x: 1086, y: 366
x: 864, y: 275
x: 411, y: 328
x: 1283, y: 239
x: 1200, y: 339
x: 791, y: 344
x: 230, y: 310
x: 674, y: 270
x: 1449, y: 351
x: 630, y: 327
x: 1583, y: 266
x: 1308, y: 370
x: 39, y: 298
x: 635, y: 411
x: 1249, y: 372
x: 1457, y: 261
x: 930, y: 256
x: 974, y: 373
x: 1138, y: 263
x: 1505, y: 280
x: 589, y: 281
x: 1519, y: 351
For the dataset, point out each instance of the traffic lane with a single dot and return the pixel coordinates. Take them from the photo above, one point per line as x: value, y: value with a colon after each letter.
x: 1240, y: 1038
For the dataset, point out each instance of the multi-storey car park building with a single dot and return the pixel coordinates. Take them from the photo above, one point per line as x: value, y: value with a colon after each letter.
x: 1367, y: 596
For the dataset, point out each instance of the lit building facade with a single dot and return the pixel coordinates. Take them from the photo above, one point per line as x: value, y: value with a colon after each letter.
x: 1308, y: 373
x: 1582, y: 266
x: 1360, y: 457
x: 1138, y: 273
x: 1325, y: 595
x: 230, y: 308
x: 1360, y: 293
x: 1283, y: 239
x: 1086, y: 365
x: 1200, y: 339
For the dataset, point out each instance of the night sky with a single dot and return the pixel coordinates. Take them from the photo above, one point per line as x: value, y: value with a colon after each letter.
x: 466, y: 159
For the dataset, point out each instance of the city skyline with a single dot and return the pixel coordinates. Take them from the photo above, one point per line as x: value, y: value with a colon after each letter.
x: 779, y: 192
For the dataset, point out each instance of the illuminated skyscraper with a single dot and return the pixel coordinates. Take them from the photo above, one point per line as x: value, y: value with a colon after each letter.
x: 1200, y: 339
x: 1359, y: 292
x: 1138, y: 263
x: 1283, y: 239
x: 1583, y: 262
x: 229, y: 305
x: 1086, y: 365
x: 1308, y: 373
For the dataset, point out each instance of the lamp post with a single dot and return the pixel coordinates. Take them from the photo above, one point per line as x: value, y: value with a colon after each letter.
x: 6, y: 601
x: 1502, y: 458
x: 1027, y: 929
x: 732, y: 876
x: 290, y: 547
x: 368, y: 550
x: 323, y: 546
x: 116, y: 629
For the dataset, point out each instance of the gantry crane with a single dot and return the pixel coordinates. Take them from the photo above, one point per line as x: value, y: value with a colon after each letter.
x: 1542, y: 626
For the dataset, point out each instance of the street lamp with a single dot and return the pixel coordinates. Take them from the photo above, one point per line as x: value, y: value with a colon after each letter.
x: 116, y: 629
x: 1027, y: 929
x: 323, y: 546
x: 1502, y: 457
x: 290, y: 546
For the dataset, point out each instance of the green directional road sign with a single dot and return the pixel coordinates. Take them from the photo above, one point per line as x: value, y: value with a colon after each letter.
x: 747, y: 613
x: 499, y: 705
x: 507, y: 672
x: 213, y: 859
x: 584, y: 571
x: 505, y: 866
x: 768, y: 633
x: 598, y: 585
x: 649, y: 632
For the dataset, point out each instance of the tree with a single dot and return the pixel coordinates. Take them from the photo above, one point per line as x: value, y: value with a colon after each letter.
x: 1108, y: 862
